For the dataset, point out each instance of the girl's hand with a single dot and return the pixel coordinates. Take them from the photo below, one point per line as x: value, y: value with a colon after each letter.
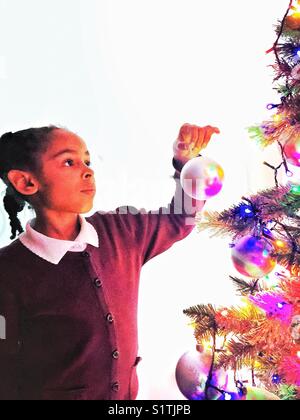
x: 191, y: 141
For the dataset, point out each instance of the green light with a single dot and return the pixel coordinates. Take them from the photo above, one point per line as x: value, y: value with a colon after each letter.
x: 296, y: 189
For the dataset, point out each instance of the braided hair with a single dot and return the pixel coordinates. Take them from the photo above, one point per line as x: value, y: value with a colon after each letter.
x: 21, y: 150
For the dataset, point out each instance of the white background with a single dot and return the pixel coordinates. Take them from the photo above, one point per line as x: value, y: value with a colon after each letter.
x: 125, y: 75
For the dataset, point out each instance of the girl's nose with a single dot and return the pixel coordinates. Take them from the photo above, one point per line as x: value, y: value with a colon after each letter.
x: 88, y: 172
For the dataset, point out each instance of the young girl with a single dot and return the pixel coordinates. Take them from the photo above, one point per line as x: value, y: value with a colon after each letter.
x: 69, y: 284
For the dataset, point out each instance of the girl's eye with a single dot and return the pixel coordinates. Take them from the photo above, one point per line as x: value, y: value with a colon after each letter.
x: 88, y: 163
x: 68, y: 160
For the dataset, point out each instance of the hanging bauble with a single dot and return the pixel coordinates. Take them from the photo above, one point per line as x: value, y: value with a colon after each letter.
x: 202, y: 178
x: 192, y: 373
x: 252, y: 257
x: 292, y: 149
x: 295, y: 329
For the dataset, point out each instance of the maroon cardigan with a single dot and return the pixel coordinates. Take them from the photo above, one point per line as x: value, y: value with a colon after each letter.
x: 71, y: 328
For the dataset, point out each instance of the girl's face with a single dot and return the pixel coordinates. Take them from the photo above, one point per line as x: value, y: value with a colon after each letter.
x: 67, y: 182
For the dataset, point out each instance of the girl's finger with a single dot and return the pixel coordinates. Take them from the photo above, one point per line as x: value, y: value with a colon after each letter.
x: 207, y: 138
x: 201, y: 134
x: 185, y: 133
x: 195, y: 134
x: 213, y: 130
x: 208, y: 133
x: 216, y: 130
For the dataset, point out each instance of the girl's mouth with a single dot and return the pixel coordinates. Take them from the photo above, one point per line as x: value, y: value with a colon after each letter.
x: 90, y: 192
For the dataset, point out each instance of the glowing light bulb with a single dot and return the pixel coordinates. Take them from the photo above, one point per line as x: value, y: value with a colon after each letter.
x: 295, y: 189
x: 276, y: 379
x: 207, y: 346
x: 277, y: 118
x: 296, y: 9
x: 228, y: 397
x: 192, y: 325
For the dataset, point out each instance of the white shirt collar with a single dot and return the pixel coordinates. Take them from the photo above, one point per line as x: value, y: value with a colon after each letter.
x: 52, y: 249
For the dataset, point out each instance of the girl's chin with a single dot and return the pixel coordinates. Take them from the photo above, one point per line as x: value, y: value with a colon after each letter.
x: 87, y: 206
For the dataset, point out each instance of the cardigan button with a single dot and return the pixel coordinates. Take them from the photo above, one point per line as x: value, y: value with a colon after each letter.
x: 98, y: 283
x: 116, y: 354
x: 109, y: 318
x: 85, y: 254
x: 115, y: 386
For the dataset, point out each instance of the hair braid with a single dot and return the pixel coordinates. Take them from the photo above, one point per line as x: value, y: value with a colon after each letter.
x: 13, y: 205
x: 20, y: 150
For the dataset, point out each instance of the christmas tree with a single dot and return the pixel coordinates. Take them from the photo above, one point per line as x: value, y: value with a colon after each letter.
x: 256, y: 345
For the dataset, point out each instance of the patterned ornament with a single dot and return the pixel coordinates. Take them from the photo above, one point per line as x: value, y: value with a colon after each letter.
x: 292, y: 149
x: 202, y: 178
x: 191, y: 376
x: 252, y: 257
x: 295, y: 329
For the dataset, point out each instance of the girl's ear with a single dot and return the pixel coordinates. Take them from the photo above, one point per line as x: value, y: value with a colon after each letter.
x: 23, y: 182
